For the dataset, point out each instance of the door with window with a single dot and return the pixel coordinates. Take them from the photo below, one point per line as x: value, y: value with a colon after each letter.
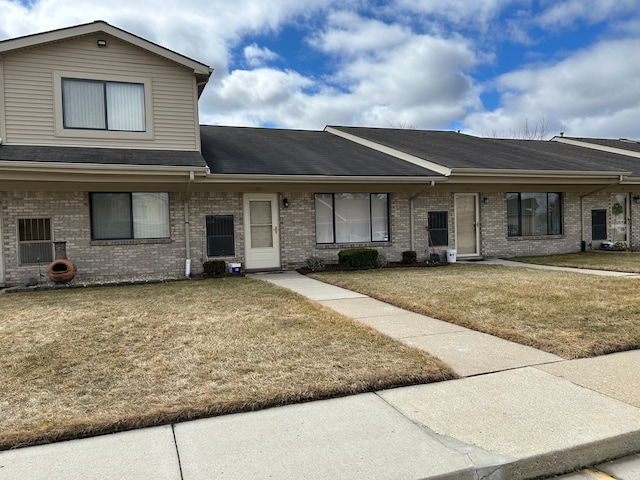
x: 467, y: 231
x: 262, y: 236
x: 619, y: 218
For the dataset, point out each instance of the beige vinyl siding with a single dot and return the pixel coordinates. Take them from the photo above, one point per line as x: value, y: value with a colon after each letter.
x: 30, y: 101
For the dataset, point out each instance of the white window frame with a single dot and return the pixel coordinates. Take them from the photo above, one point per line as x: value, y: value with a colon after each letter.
x: 58, y: 75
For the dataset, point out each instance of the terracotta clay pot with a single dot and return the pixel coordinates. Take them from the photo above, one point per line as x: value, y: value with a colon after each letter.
x: 61, y: 270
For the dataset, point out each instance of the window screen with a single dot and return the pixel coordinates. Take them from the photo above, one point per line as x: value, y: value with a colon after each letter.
x: 599, y: 224
x: 438, y: 225
x: 220, y: 237
x: 34, y: 240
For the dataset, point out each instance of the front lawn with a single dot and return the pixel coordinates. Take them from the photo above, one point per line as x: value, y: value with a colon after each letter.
x: 80, y: 362
x: 594, y: 260
x: 569, y: 314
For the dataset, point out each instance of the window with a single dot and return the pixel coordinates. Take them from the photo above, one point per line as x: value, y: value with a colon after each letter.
x: 534, y: 214
x: 134, y: 215
x: 34, y: 240
x: 438, y: 225
x: 100, y: 105
x: 599, y: 224
x: 352, y: 217
x: 220, y: 239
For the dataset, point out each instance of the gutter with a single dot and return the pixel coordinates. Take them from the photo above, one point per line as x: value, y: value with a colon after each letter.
x: 230, y: 178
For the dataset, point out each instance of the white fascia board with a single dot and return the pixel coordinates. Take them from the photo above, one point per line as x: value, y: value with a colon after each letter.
x: 420, y: 162
x: 269, y: 179
x: 537, y: 173
x: 93, y: 168
x: 594, y: 146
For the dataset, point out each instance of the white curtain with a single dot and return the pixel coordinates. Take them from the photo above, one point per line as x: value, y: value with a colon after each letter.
x: 83, y: 102
x: 150, y: 215
x: 352, y: 216
x: 324, y: 218
x: 125, y: 106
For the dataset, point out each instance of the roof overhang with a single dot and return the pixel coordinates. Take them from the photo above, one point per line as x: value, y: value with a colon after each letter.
x: 201, y: 71
x: 68, y: 176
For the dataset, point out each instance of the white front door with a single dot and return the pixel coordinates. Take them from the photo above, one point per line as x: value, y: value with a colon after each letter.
x: 619, y: 218
x: 466, y: 228
x: 261, y: 227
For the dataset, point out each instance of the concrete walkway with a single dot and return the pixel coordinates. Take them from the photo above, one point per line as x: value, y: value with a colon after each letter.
x: 517, y: 413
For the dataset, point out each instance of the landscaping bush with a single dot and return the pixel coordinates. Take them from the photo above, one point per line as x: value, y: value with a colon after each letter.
x: 409, y: 256
x: 214, y: 267
x: 382, y: 260
x: 315, y: 264
x: 358, y: 258
x: 620, y: 247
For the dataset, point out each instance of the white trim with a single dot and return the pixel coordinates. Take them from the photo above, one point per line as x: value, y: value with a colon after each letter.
x: 476, y: 223
x: 595, y: 146
x: 268, y: 257
x: 420, y: 162
x: 99, y: 26
x: 60, y: 131
x: 3, y: 117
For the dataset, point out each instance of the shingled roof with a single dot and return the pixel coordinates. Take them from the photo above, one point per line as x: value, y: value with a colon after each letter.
x: 268, y: 151
x: 101, y: 156
x: 460, y: 151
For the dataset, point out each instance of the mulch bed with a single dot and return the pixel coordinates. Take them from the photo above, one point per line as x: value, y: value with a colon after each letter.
x: 334, y: 267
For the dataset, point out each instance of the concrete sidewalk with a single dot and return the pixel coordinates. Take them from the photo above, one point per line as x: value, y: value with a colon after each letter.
x: 517, y: 413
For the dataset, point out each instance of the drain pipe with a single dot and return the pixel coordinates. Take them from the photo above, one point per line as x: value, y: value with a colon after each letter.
x: 411, y: 228
x: 187, y: 236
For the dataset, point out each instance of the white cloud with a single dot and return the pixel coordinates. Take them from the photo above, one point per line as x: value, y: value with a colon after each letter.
x: 594, y: 92
x: 258, y: 56
x: 561, y: 13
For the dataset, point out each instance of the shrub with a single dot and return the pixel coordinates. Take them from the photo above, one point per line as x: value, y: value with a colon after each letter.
x: 382, y: 260
x: 214, y: 267
x: 409, y: 256
x: 358, y: 258
x: 315, y: 264
x: 620, y: 247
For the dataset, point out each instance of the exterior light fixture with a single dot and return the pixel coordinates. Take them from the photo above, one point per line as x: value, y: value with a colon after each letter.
x: 101, y: 43
x: 636, y: 199
x: 285, y: 202
x: 485, y: 200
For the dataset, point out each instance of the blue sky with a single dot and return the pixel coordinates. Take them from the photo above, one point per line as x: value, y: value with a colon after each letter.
x: 486, y: 67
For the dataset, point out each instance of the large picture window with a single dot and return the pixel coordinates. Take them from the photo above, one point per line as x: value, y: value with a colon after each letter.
x: 534, y: 214
x: 352, y: 217
x: 116, y: 216
x: 100, y: 105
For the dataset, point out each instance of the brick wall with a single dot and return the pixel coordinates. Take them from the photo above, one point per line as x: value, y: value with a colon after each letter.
x: 70, y: 222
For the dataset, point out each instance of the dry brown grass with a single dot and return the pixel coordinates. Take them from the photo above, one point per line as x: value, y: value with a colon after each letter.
x: 81, y: 362
x: 595, y: 260
x: 570, y: 314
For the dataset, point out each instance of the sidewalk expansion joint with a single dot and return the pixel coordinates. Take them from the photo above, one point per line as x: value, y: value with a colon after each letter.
x: 175, y: 443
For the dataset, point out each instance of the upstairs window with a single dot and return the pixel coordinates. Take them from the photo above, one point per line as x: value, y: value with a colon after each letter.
x: 352, y: 217
x: 534, y: 214
x: 34, y: 240
x: 100, y: 105
x: 137, y: 215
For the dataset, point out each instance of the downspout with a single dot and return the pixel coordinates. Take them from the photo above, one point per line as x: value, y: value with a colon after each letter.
x: 411, y: 229
x: 582, y: 197
x: 187, y: 236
